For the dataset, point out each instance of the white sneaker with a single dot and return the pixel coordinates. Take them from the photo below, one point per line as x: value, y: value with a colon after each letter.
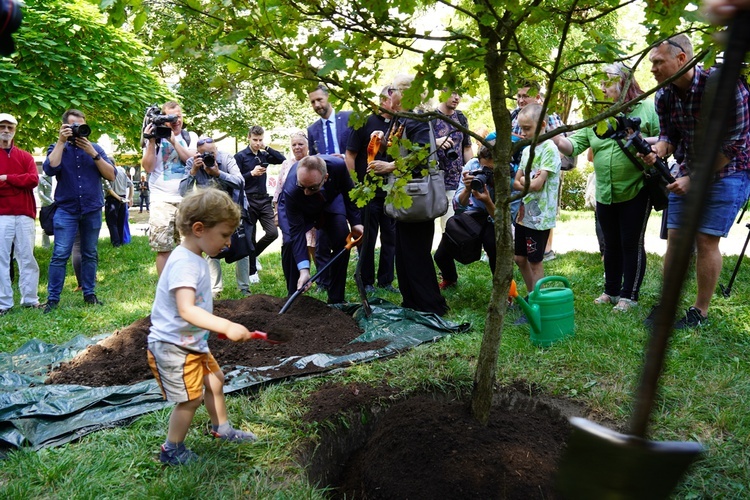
x: 257, y: 264
x: 254, y: 278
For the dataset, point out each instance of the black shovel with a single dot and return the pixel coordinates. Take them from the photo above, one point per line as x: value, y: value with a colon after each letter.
x: 358, y: 270
x: 350, y: 242
x: 598, y: 462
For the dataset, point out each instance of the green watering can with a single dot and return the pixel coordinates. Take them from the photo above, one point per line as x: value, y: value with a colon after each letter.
x: 549, y: 311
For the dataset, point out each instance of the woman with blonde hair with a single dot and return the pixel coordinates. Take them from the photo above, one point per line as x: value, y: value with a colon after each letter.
x: 623, y: 205
x: 300, y: 149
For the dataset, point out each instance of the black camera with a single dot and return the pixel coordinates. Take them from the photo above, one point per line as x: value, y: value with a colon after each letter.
x: 10, y: 20
x: 79, y: 130
x: 451, y: 155
x: 629, y: 129
x: 483, y: 177
x: 155, y: 117
x: 209, y: 160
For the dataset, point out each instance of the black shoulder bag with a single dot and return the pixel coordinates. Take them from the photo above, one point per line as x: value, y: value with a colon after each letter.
x: 655, y: 184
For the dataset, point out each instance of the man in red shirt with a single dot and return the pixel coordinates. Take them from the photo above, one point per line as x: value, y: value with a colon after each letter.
x: 18, y: 178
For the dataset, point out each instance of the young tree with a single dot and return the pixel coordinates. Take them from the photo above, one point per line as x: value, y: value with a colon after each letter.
x: 68, y: 57
x: 561, y: 43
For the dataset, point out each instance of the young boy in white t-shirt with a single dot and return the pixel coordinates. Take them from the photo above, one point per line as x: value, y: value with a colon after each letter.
x: 538, y: 211
x: 181, y: 318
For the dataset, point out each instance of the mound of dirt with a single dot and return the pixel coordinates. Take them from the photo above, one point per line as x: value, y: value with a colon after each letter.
x: 430, y: 447
x: 310, y: 324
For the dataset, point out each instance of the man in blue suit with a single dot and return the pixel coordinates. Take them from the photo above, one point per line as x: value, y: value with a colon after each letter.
x: 330, y: 134
x: 316, y: 194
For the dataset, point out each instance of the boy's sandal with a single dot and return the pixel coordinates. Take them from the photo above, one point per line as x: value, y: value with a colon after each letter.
x: 624, y: 305
x: 606, y: 299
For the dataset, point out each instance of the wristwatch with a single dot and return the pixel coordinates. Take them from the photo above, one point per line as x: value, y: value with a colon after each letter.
x: 97, y: 157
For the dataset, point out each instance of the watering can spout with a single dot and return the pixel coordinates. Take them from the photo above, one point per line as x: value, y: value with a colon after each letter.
x: 532, y: 314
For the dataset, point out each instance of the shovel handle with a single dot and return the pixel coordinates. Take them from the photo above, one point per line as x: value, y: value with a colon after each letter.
x: 257, y: 335
x: 351, y: 241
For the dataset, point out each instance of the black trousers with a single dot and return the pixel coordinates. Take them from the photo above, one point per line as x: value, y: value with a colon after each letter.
x: 336, y: 229
x: 261, y: 210
x: 145, y: 198
x: 624, y: 228
x: 447, y: 264
x: 114, y: 215
x: 377, y: 221
x: 417, y: 279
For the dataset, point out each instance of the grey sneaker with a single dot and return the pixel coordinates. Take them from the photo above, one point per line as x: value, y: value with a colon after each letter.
x: 180, y: 456
x: 692, y: 318
x: 235, y: 436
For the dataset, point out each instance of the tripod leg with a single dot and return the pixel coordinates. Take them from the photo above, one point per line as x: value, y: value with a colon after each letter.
x: 727, y: 291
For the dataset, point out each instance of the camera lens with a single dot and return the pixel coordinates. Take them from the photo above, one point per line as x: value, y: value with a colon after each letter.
x: 478, y: 182
x: 451, y: 155
x: 83, y: 130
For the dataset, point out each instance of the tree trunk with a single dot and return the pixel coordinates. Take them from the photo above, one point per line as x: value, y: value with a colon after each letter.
x: 485, y: 375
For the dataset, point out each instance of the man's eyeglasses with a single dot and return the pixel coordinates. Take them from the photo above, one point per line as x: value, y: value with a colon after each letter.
x: 391, y: 90
x: 312, y: 189
x: 207, y: 140
x: 674, y: 44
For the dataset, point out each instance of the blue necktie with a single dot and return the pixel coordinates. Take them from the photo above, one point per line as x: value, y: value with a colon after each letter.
x: 329, y: 134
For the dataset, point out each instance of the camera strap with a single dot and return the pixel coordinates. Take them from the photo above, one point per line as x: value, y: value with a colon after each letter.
x: 632, y: 157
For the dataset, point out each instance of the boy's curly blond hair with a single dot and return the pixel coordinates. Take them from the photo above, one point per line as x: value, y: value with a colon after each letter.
x: 210, y: 206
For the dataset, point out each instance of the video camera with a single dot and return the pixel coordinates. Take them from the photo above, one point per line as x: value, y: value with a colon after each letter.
x: 630, y: 130
x: 10, y: 20
x: 481, y: 178
x: 155, y: 117
x: 79, y: 130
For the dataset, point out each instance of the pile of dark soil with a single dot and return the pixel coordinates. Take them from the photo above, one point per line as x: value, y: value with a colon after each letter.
x: 427, y: 446
x: 311, y: 325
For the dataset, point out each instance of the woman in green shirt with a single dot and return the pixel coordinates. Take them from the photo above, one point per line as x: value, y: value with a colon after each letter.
x: 622, y: 204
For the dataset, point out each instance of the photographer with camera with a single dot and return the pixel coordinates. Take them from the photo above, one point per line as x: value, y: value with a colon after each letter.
x: 680, y: 109
x: 213, y: 168
x: 623, y: 205
x: 253, y: 162
x: 165, y: 155
x: 79, y: 166
x: 454, y: 146
x: 472, y: 226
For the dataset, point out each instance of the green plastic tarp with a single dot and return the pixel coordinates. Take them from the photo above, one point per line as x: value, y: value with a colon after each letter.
x: 37, y: 415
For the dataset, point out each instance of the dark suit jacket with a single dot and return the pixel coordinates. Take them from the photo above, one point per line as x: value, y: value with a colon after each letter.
x: 298, y: 213
x: 315, y: 132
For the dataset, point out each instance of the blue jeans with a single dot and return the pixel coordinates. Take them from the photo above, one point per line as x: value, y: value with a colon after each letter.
x: 725, y: 199
x: 67, y: 224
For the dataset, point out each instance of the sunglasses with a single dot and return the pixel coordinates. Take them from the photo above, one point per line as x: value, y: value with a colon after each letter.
x: 207, y: 140
x: 674, y: 44
x: 391, y: 90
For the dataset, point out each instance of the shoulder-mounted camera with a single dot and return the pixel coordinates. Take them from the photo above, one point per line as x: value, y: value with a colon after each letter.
x: 155, y: 117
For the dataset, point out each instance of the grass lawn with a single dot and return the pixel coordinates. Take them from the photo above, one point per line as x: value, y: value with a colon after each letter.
x: 704, y: 396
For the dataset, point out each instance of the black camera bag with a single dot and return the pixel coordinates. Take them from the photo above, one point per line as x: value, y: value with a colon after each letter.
x: 463, y: 232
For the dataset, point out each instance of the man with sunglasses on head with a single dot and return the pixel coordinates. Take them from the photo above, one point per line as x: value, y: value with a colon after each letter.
x: 165, y: 161
x: 316, y: 194
x: 213, y: 168
x: 679, y: 106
